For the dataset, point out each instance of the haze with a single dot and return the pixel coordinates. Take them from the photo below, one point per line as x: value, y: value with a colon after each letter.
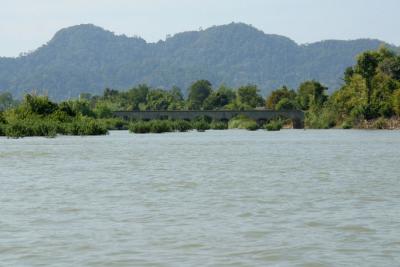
x: 26, y: 24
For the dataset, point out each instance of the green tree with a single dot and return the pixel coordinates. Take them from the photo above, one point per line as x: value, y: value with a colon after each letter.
x: 283, y: 94
x: 220, y: 99
x: 198, y: 92
x: 396, y: 101
x: 248, y: 96
x: 311, y: 93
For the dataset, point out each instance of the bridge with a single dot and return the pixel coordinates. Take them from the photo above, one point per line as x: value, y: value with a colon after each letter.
x: 296, y: 116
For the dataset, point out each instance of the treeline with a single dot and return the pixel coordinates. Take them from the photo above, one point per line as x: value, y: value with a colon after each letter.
x: 369, y: 97
x: 38, y: 116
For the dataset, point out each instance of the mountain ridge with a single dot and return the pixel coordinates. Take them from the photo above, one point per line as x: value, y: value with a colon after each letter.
x: 88, y: 58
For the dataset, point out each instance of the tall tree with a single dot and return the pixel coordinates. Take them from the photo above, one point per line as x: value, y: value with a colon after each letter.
x: 248, y: 96
x: 198, y: 92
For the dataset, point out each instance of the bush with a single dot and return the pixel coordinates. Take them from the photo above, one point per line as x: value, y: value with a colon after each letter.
x: 243, y: 122
x: 182, y: 126
x: 18, y: 129
x: 347, y: 125
x: 23, y: 128
x: 274, y: 125
x: 219, y: 125
x: 252, y: 126
x: 380, y: 124
x: 201, y: 125
x: 160, y: 126
x: 115, y: 124
x: 83, y: 126
x: 139, y: 127
x: 2, y: 129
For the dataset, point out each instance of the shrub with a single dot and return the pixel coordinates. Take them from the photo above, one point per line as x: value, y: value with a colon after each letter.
x: 115, y: 124
x: 139, y: 127
x: 201, y: 125
x: 181, y: 126
x: 2, y: 129
x: 242, y: 122
x: 347, y: 125
x: 17, y: 129
x: 160, y: 126
x: 83, y: 126
x: 23, y: 128
x: 219, y: 125
x: 252, y: 126
x: 274, y: 125
x: 380, y: 124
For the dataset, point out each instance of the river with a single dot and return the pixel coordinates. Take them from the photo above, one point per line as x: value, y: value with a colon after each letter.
x: 219, y: 198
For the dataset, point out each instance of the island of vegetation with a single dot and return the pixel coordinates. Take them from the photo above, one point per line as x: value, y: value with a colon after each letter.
x: 369, y: 98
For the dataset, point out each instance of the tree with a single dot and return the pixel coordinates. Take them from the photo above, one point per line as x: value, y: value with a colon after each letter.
x: 311, y: 93
x: 350, y: 100
x: 396, y: 102
x: 220, y: 98
x: 278, y: 95
x: 248, y: 96
x: 198, y: 92
x: 136, y: 97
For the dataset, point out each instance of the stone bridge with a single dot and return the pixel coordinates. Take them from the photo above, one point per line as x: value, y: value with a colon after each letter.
x: 296, y: 116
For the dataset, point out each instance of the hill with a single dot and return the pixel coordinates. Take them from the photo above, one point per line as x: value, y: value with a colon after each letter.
x: 87, y: 58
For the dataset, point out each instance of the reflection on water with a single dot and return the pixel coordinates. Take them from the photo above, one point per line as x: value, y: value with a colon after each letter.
x: 233, y: 198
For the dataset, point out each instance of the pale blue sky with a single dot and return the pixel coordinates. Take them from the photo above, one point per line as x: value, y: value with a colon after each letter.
x: 27, y: 24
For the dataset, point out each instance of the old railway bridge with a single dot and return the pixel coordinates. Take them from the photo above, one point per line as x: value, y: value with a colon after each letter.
x: 296, y: 116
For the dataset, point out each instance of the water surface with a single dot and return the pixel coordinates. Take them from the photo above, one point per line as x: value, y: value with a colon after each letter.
x: 220, y: 198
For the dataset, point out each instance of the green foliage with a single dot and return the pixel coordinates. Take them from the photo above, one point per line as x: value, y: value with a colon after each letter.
x: 198, y: 93
x: 219, y: 125
x: 2, y: 129
x: 115, y: 123
x: 274, y: 125
x: 161, y: 126
x: 182, y: 126
x: 220, y: 99
x: 24, y: 128
x: 286, y: 104
x: 242, y: 122
x: 347, y: 125
x: 380, y: 123
x: 40, y: 105
x: 201, y: 125
x: 139, y: 127
x: 249, y: 97
x: 83, y: 126
x: 311, y: 94
x: 396, y: 102
x: 283, y: 95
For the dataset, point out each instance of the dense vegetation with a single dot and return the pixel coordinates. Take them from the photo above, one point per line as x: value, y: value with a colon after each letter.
x: 86, y: 58
x: 368, y: 98
x: 38, y: 116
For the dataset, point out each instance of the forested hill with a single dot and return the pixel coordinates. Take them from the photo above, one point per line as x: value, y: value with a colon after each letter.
x: 87, y: 58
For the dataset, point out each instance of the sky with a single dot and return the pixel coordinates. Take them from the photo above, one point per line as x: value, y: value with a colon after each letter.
x: 27, y: 24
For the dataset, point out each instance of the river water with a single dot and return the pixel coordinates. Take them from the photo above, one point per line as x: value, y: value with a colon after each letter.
x: 219, y: 198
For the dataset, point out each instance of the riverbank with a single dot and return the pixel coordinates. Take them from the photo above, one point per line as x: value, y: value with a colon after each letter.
x: 380, y: 124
